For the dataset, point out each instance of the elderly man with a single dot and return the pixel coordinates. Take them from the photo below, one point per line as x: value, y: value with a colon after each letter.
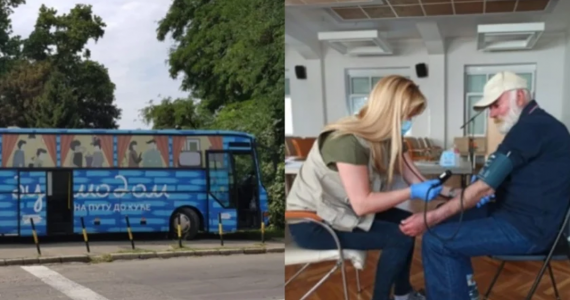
x: 530, y: 178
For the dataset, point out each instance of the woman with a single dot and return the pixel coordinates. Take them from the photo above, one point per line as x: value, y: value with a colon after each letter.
x: 348, y: 179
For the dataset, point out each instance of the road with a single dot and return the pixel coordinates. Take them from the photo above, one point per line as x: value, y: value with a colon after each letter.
x: 235, y: 277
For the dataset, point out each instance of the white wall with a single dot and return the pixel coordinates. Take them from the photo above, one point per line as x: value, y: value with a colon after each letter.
x: 307, y: 97
x: 409, y: 54
x: 443, y: 87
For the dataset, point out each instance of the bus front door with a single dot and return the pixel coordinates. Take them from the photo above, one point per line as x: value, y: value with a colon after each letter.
x: 221, y: 191
x: 247, y: 189
x: 232, y: 183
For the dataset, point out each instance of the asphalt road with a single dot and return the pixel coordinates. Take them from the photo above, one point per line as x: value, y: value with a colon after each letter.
x: 235, y: 277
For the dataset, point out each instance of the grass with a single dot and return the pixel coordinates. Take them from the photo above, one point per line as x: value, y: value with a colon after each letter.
x: 253, y: 234
x: 105, y: 258
x: 136, y: 250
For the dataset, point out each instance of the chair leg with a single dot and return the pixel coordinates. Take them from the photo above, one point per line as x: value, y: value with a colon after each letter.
x: 338, y: 264
x: 539, y: 277
x: 553, y: 282
x: 495, y: 279
x: 297, y: 274
x: 343, y: 271
x: 358, y: 289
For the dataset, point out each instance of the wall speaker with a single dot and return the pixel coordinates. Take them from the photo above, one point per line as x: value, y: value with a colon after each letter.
x: 421, y: 70
x: 300, y: 72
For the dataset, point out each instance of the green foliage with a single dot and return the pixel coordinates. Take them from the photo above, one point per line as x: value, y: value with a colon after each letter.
x: 62, y: 37
x: 169, y: 113
x: 8, y: 44
x: 231, y: 57
x: 19, y: 89
x: 228, y: 51
x: 277, y: 196
x: 52, y: 82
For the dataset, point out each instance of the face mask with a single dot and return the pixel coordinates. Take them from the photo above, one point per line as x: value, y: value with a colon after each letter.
x: 406, y: 126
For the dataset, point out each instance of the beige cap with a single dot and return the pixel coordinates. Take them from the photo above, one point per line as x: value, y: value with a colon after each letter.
x: 497, y: 85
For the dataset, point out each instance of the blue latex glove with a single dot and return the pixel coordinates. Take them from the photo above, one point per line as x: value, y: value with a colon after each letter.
x: 485, y: 199
x: 420, y: 190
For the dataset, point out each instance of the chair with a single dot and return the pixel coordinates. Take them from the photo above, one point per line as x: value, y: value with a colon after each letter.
x: 303, y: 146
x: 559, y: 251
x: 295, y: 255
x: 415, y: 149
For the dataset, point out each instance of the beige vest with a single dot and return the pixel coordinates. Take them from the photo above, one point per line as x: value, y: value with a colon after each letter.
x: 319, y: 189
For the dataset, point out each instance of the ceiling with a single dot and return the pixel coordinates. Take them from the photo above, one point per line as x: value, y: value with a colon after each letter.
x: 398, y: 19
x: 352, y: 10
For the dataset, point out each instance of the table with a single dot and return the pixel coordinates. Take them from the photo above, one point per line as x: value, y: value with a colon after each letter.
x: 464, y: 168
x: 433, y: 168
x: 426, y: 167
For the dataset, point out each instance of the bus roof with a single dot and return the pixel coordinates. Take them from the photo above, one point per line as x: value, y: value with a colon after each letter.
x: 123, y: 131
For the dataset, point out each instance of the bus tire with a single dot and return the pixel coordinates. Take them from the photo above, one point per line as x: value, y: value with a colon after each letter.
x: 189, y: 223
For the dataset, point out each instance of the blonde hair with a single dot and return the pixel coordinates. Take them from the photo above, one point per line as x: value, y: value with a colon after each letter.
x: 392, y: 100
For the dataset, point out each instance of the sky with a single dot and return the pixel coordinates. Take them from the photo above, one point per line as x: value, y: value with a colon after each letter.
x: 136, y: 60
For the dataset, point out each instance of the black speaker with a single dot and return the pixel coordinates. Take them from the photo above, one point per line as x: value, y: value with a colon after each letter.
x: 421, y: 70
x: 300, y: 72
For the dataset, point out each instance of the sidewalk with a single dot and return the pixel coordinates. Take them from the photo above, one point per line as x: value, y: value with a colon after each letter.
x: 21, y: 254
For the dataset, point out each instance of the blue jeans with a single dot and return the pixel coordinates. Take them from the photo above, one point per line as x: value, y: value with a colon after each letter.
x: 447, y: 263
x: 397, y: 249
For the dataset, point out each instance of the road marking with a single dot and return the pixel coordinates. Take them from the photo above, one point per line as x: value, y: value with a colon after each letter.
x: 69, y: 288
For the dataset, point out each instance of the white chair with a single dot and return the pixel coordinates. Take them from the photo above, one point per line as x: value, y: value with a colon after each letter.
x: 295, y: 255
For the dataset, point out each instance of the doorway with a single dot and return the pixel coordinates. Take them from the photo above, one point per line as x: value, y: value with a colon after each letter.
x: 59, y: 202
x: 233, y: 182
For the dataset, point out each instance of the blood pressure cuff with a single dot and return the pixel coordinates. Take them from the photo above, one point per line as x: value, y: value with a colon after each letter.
x: 496, y: 169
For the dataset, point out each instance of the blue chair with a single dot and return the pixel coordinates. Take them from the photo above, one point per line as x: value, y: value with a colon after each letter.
x: 560, y: 251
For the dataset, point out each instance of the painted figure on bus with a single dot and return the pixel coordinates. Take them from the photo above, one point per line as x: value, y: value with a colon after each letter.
x: 135, y: 158
x: 77, y: 159
x: 38, y: 161
x: 19, y: 160
x: 152, y: 157
x: 96, y: 159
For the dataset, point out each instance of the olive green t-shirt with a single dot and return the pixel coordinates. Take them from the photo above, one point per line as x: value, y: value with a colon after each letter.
x: 345, y: 149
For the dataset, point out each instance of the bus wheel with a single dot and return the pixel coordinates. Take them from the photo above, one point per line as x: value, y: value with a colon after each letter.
x: 189, y: 223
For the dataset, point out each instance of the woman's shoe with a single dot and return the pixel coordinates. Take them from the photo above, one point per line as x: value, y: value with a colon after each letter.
x: 415, y: 295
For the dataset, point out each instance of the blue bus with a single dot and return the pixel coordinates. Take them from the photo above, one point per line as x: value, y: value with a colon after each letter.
x: 59, y: 177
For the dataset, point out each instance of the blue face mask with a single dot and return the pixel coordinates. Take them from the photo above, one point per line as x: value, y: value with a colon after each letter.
x: 406, y: 126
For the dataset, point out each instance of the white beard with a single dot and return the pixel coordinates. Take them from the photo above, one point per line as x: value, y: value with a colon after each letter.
x: 510, y: 119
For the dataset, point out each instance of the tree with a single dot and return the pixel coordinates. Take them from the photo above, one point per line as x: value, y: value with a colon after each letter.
x: 168, y: 114
x: 229, y: 51
x: 231, y: 56
x: 53, y: 83
x: 9, y: 45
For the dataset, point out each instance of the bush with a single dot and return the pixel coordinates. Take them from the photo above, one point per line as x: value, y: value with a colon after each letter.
x: 277, y: 198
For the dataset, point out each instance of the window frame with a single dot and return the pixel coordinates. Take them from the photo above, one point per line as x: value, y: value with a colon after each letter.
x: 370, y: 74
x: 192, y: 141
x: 489, y: 71
x: 466, y: 116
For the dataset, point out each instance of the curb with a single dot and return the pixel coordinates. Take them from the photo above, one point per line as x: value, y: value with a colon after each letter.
x: 133, y: 256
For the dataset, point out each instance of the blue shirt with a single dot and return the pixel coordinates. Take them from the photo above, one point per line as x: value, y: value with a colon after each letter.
x: 535, y: 196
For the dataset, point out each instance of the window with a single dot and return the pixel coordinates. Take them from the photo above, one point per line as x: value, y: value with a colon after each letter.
x: 361, y: 82
x: 192, y: 145
x: 288, y: 109
x: 475, y: 79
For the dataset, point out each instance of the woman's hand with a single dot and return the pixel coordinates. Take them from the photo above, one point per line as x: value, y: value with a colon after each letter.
x: 420, y: 190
